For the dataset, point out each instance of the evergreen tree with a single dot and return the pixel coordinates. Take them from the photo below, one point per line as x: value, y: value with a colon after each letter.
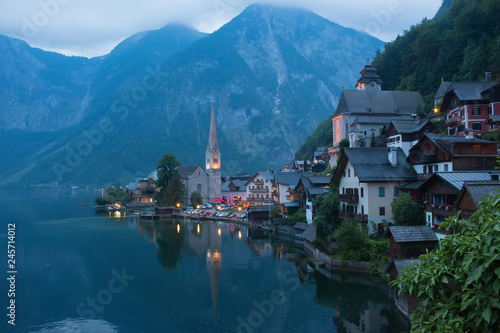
x: 169, y: 181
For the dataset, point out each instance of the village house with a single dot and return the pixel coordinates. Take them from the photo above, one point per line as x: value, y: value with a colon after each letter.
x: 404, y: 303
x: 440, y: 192
x: 411, y: 241
x: 368, y: 109
x: 368, y: 181
x: 307, y: 189
x: 260, y: 187
x: 405, y: 133
x: 234, y: 191
x: 436, y: 152
x: 143, y: 190
x: 493, y: 122
x: 473, y: 192
x: 320, y: 156
x: 467, y: 105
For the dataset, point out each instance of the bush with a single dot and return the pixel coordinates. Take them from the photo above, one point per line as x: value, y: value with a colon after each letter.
x: 299, y: 216
x: 353, y: 241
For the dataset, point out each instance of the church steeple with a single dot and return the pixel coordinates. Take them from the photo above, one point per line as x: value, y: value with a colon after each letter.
x: 369, y: 79
x: 213, y: 153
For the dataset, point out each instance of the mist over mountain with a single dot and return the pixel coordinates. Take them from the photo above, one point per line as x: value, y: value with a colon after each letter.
x: 275, y: 74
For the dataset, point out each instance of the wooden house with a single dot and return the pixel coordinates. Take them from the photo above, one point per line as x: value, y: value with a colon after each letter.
x: 404, y: 302
x: 411, y: 241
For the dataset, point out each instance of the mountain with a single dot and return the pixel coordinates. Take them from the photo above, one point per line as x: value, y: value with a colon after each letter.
x: 274, y: 73
x: 461, y: 43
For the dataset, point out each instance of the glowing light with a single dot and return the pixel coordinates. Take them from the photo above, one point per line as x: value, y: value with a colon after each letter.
x: 118, y: 214
x: 178, y: 205
x: 239, y: 209
x: 178, y: 228
x: 219, y: 231
x: 198, y: 207
x: 239, y: 234
x: 436, y: 110
x: 198, y: 229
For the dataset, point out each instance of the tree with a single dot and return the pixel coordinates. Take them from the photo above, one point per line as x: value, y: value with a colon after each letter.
x: 298, y: 216
x: 275, y: 212
x: 196, y: 198
x: 405, y: 211
x: 353, y: 240
x: 459, y: 283
x: 169, y: 181
x: 327, y: 207
x: 373, y: 141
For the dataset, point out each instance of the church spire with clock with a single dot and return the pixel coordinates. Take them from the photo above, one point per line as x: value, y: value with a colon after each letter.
x: 213, y: 161
x: 369, y: 79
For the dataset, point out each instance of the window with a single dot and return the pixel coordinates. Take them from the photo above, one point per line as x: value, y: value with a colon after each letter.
x: 381, y: 191
x: 216, y: 160
x: 461, y: 128
x: 452, y: 131
x: 436, y: 168
x: 446, y: 167
x: 489, y: 109
x: 425, y: 169
x: 462, y: 113
x: 476, y: 149
x: 348, y: 172
x: 362, y: 192
x: 476, y: 111
x: 381, y: 211
x: 199, y: 187
x: 476, y: 126
x: 396, y: 191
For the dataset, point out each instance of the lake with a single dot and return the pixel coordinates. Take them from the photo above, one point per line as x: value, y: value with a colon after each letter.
x: 79, y: 271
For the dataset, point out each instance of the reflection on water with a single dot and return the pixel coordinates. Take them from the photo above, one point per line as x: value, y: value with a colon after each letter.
x: 189, y: 276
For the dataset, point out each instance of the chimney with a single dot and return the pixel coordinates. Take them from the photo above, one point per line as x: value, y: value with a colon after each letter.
x: 393, y: 156
x: 487, y: 77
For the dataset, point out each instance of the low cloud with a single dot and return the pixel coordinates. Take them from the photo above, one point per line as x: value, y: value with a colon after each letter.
x: 92, y: 27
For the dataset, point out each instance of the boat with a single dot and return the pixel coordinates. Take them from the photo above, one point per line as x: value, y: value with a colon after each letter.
x: 84, y: 205
x: 115, y: 208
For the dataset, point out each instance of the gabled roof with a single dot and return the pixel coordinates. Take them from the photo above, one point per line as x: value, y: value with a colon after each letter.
x: 493, y: 118
x: 301, y: 225
x: 376, y: 102
x: 408, y: 234
x: 287, y: 178
x: 457, y: 178
x: 187, y: 170
x: 445, y: 142
x: 265, y: 174
x: 240, y: 185
x: 470, y: 90
x: 403, y: 263
x: 478, y: 189
x: 408, y: 126
x: 310, y: 233
x: 372, y: 164
x: 443, y: 88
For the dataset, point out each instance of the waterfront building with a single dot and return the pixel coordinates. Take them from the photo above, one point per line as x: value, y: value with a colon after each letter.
x: 195, y: 178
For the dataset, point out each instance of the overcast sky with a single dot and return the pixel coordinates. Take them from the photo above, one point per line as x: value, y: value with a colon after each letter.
x: 93, y: 27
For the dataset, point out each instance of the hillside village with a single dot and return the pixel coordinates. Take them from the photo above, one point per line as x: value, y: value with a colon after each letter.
x: 382, y: 150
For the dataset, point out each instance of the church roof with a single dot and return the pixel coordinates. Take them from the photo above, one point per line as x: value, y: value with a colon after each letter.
x: 187, y: 170
x: 212, y: 137
x: 379, y: 103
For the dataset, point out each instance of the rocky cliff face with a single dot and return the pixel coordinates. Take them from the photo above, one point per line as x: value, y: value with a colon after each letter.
x: 275, y: 74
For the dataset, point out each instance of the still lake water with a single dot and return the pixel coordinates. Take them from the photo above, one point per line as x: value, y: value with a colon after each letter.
x: 78, y: 271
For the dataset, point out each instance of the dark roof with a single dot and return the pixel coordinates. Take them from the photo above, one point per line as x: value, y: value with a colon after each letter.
x: 187, y: 170
x: 262, y: 208
x: 408, y: 234
x: 372, y: 164
x: 471, y: 90
x: 443, y: 88
x: 240, y: 185
x: 301, y: 225
x: 445, y: 142
x: 403, y: 263
x: 288, y: 178
x: 479, y: 189
x: 411, y: 186
x: 291, y: 204
x: 366, y: 102
x: 310, y: 233
x: 407, y: 126
x: 265, y: 174
x: 494, y: 118
x: 457, y: 178
x: 319, y: 180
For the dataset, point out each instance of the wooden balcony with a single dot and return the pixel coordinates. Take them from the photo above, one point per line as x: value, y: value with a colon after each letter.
x: 453, y: 121
x: 349, y: 198
x: 257, y: 190
x: 347, y: 215
x: 441, y: 210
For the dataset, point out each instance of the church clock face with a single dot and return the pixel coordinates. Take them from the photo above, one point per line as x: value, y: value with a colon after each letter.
x: 216, y: 150
x: 372, y: 84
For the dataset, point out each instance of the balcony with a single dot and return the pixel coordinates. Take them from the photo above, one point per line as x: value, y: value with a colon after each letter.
x: 441, y: 210
x: 259, y: 190
x: 347, y: 215
x: 453, y: 121
x: 349, y: 198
